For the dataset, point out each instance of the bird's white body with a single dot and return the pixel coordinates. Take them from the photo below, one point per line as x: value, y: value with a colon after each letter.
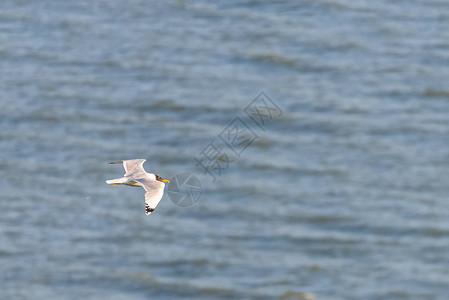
x: 137, y: 176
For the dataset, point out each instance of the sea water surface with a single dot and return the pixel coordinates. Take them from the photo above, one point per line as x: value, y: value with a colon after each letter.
x: 343, y: 197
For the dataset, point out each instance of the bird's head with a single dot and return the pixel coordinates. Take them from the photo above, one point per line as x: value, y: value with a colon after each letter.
x: 159, y: 178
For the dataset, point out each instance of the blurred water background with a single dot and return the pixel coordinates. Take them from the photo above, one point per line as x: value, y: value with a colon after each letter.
x: 344, y: 197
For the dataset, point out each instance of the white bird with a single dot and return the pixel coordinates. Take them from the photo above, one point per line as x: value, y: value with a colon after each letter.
x: 137, y: 176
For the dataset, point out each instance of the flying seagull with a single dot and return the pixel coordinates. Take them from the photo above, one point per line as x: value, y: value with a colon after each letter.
x: 137, y: 176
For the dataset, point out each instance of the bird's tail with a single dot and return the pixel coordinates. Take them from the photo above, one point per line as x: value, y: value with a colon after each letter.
x: 117, y: 181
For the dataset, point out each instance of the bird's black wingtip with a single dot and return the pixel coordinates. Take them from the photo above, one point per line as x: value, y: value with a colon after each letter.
x: 116, y: 162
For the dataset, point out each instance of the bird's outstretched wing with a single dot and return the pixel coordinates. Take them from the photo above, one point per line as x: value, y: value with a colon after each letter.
x: 154, y: 192
x: 132, y: 166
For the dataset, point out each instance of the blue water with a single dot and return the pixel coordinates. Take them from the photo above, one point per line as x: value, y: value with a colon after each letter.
x: 343, y: 197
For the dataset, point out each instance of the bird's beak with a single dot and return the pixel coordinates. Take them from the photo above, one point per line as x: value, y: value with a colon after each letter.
x: 165, y: 180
